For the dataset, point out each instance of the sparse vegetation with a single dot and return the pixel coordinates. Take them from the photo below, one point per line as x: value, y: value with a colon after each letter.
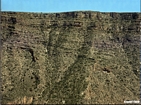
x: 70, y: 58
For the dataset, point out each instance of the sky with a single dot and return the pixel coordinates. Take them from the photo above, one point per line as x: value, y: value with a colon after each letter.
x: 48, y: 6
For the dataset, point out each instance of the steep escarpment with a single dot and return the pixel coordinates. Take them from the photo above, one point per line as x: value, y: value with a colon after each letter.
x: 72, y: 58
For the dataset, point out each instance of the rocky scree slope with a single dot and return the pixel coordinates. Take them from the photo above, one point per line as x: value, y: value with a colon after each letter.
x: 72, y: 58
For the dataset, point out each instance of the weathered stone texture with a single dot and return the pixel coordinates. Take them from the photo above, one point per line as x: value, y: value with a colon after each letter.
x: 73, y: 57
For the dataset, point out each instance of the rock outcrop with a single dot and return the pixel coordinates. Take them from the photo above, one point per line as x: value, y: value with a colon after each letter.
x: 70, y: 58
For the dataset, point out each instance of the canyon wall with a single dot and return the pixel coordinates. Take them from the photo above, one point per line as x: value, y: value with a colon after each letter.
x: 79, y: 57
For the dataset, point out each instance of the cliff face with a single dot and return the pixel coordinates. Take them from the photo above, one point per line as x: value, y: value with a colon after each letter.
x: 74, y: 57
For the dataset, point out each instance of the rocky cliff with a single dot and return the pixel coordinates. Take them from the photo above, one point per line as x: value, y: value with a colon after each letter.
x: 73, y: 57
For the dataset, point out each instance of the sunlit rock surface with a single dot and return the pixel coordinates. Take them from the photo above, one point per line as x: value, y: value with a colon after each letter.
x: 70, y: 58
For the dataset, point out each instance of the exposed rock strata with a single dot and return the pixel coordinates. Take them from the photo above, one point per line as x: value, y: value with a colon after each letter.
x: 73, y: 57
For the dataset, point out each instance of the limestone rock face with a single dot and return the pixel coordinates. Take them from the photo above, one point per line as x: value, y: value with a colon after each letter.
x: 70, y: 58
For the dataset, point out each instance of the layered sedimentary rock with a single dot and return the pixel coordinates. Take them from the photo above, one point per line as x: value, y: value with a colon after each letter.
x: 70, y: 58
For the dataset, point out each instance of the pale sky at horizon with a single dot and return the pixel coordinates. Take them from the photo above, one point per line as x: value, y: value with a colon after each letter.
x: 70, y: 5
